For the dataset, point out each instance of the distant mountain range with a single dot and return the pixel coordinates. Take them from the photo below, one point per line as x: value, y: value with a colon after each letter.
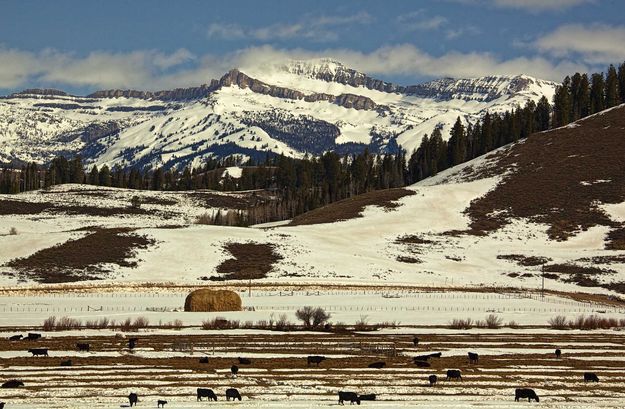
x: 303, y: 107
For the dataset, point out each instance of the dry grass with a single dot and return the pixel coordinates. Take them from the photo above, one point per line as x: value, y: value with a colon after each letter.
x: 558, y: 178
x: 81, y: 259
x: 251, y: 261
x: 352, y: 208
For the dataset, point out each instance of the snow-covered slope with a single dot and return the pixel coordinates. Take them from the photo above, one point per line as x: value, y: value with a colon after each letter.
x: 555, y: 198
x: 301, y: 107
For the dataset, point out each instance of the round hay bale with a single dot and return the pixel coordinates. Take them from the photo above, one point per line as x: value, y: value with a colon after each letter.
x: 205, y: 300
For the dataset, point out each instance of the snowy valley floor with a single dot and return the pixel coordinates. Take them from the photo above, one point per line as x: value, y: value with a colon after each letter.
x: 165, y: 364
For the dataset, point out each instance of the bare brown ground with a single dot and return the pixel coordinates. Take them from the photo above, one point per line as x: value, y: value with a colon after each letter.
x: 352, y: 208
x: 251, y: 261
x: 80, y: 259
x: 502, y: 372
x: 558, y: 178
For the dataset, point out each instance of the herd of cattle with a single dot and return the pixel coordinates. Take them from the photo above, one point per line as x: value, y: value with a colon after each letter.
x: 421, y: 361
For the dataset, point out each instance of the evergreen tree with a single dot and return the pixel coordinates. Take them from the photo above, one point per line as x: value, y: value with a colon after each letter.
x: 457, y: 144
x: 562, y: 107
x: 621, y: 83
x: 611, y: 88
x: 104, y: 176
x: 597, y: 99
x: 94, y: 176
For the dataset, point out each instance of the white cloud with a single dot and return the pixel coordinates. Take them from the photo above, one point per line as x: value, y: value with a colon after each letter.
x: 313, y: 28
x: 596, y: 44
x: 537, y: 5
x: 419, y: 20
x: 528, y: 5
x: 152, y: 70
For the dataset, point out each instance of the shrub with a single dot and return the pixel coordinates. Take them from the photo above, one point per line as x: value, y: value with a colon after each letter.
x: 362, y: 324
x: 62, y: 324
x: 283, y: 323
x: 461, y: 324
x: 129, y: 326
x: 513, y: 324
x: 205, y: 218
x: 135, y: 202
x: 220, y: 323
x: 493, y: 321
x: 305, y: 314
x: 558, y: 322
x: 319, y: 317
x: 13, y: 231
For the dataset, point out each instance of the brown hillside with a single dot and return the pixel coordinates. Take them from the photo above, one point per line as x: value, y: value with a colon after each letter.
x: 351, y: 208
x: 559, y: 178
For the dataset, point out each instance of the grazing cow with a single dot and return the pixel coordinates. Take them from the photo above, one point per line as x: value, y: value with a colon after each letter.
x: 132, y: 343
x: 422, y: 364
x: 473, y: 358
x: 525, y: 393
x: 38, y: 351
x: 421, y: 358
x: 32, y: 336
x: 415, y: 341
x: 1, y: 405
x: 234, y: 370
x: 133, y: 398
x: 82, y: 347
x: 161, y: 403
x: 13, y: 383
x: 351, y: 397
x: 232, y: 393
x: 370, y: 396
x: 245, y: 361
x: 432, y: 379
x: 66, y: 363
x: 206, y: 393
x: 558, y: 353
x: 315, y: 359
x: 204, y: 360
x: 15, y: 337
x: 454, y: 374
x: 377, y: 365
x: 590, y: 377
x: 435, y: 355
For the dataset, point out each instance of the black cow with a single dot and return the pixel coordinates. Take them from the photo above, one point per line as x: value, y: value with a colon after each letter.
x: 525, y: 393
x: 473, y: 358
x: 377, y: 365
x: 351, y: 397
x: 370, y: 396
x: 161, y: 403
x: 133, y: 398
x: 1, y: 405
x: 204, y: 360
x: 13, y: 383
x: 590, y: 377
x: 422, y: 364
x: 82, y: 347
x: 315, y: 359
x: 415, y: 341
x: 39, y: 351
x: 206, y: 393
x: 245, y: 361
x: 454, y: 374
x: 234, y: 370
x: 32, y: 336
x: 432, y: 379
x: 232, y: 393
x: 66, y: 363
x: 558, y: 353
x: 15, y: 337
x: 132, y: 343
x: 435, y: 355
x: 421, y: 358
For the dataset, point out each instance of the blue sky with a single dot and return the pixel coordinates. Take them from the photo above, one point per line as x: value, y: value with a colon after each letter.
x: 81, y: 46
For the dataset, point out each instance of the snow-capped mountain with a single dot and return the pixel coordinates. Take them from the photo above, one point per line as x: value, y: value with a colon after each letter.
x: 301, y: 107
